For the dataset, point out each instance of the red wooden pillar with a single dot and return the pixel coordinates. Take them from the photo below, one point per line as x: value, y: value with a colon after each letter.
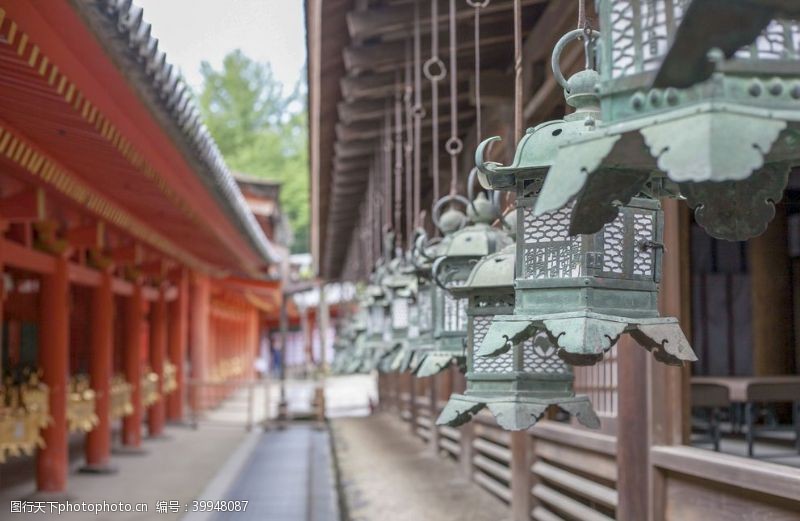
x: 199, y: 328
x: 178, y: 333
x: 98, y: 441
x: 158, y: 353
x: 132, y: 424
x: 53, y: 459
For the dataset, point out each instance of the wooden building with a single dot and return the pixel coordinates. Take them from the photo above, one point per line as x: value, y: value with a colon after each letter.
x: 131, y: 263
x: 738, y: 302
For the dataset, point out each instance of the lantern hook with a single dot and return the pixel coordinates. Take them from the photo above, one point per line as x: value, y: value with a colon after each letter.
x: 575, y: 34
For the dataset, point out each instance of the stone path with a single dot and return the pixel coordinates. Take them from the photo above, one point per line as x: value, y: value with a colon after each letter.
x: 388, y: 475
x: 288, y: 477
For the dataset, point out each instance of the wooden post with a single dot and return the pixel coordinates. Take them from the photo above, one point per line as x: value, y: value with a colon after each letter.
x: 412, y: 397
x: 668, y: 387
x: 433, y: 395
x: 771, y: 287
x: 98, y: 441
x: 467, y: 430
x: 199, y: 336
x: 178, y: 333
x: 52, y: 460
x: 521, y: 475
x: 158, y: 351
x: 633, y: 444
x: 134, y: 316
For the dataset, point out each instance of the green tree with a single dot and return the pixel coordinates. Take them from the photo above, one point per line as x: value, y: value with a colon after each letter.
x: 261, y: 131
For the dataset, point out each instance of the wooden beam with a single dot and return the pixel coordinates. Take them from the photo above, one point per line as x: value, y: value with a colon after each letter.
x: 400, y: 18
x: 87, y: 236
x: 129, y: 255
x: 26, y: 206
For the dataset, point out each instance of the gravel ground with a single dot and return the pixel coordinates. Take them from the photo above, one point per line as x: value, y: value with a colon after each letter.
x: 388, y: 475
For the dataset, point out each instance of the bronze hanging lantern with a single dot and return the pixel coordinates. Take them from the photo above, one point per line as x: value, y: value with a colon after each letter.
x: 517, y: 386
x: 582, y: 291
x: 451, y: 270
x: 725, y: 144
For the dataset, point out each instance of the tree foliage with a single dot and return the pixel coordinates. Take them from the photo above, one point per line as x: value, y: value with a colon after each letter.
x: 261, y: 131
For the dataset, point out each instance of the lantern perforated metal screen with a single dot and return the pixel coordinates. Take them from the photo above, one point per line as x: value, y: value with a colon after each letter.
x: 519, y: 385
x: 725, y: 144
x: 450, y: 271
x: 584, y: 291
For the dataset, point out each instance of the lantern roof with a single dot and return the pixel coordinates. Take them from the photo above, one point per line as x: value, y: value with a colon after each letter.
x: 537, y: 150
x: 492, y: 272
x: 476, y: 240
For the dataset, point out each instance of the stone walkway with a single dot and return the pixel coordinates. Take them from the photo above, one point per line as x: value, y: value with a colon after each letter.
x: 387, y: 475
x: 288, y: 476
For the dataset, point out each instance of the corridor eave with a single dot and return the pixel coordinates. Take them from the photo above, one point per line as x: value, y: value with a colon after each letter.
x: 84, y: 104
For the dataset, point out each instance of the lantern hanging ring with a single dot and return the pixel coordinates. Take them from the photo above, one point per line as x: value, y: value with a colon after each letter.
x: 434, y: 69
x: 575, y: 34
x: 437, y: 208
x: 453, y: 146
x: 478, y: 4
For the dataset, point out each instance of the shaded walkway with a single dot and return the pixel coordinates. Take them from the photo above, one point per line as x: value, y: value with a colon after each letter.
x: 387, y: 475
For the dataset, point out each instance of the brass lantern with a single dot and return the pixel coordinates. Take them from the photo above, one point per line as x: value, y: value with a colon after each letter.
x: 451, y: 270
x: 582, y: 291
x: 517, y: 386
x: 725, y: 144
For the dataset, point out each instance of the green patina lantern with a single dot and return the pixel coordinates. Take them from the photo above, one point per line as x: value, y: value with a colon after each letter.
x: 420, y: 332
x: 519, y: 385
x: 378, y: 340
x: 451, y: 270
x: 400, y: 285
x: 354, y: 357
x: 725, y: 142
x: 582, y: 291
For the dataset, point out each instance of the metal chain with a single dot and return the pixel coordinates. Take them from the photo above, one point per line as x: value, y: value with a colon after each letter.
x: 478, y: 6
x: 434, y: 71
x: 453, y: 145
x: 398, y: 159
x: 419, y: 113
x: 387, y: 168
x: 517, y: 71
x: 408, y: 147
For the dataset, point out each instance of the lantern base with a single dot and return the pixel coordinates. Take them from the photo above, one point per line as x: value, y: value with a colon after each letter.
x: 583, y: 337
x: 434, y: 362
x: 516, y: 413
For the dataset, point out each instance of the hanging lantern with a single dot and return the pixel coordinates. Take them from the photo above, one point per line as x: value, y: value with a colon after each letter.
x: 519, y: 385
x: 725, y: 145
x: 420, y: 335
x: 582, y: 291
x: 400, y: 286
x: 451, y: 270
x: 378, y: 339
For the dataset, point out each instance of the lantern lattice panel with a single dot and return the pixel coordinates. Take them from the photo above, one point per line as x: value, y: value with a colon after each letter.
x: 643, y: 227
x: 425, y: 310
x: 498, y: 364
x: 550, y: 252
x: 539, y: 355
x: 642, y: 29
x: 399, y: 313
x: 779, y: 41
x: 455, y: 310
x: 613, y: 242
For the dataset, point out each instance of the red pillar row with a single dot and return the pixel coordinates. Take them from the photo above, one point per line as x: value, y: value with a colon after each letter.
x: 199, y: 324
x: 134, y: 316
x: 158, y: 352
x: 178, y: 334
x: 51, y: 461
x: 98, y: 442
